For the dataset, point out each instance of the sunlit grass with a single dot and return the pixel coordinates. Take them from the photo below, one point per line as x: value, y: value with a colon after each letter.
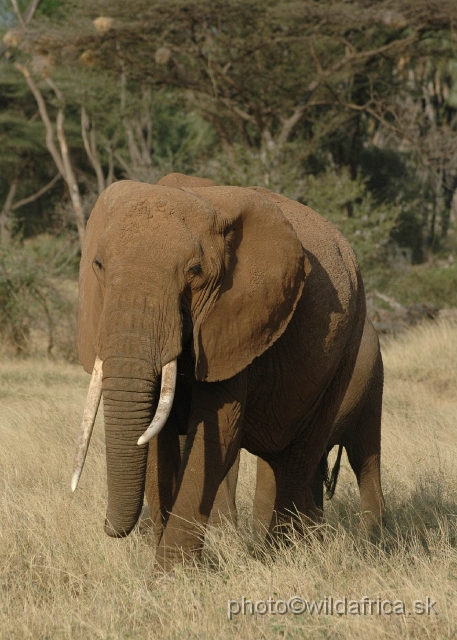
x: 61, y: 577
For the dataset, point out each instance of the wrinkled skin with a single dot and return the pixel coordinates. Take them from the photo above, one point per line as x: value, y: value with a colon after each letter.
x: 357, y: 428
x: 261, y: 301
x: 155, y: 514
x: 160, y: 484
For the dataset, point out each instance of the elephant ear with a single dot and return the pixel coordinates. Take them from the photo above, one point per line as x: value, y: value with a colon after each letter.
x: 262, y: 283
x: 90, y: 297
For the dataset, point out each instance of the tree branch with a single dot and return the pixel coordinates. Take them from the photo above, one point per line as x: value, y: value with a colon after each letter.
x: 26, y: 18
x: 37, y: 194
x: 135, y: 154
x: 18, y: 13
x: 50, y: 144
x: 70, y: 179
x: 350, y: 56
x: 62, y: 159
x: 59, y: 95
x: 401, y: 133
x: 30, y: 11
x: 128, y: 170
x: 239, y: 112
x: 5, y: 235
x: 290, y: 123
x: 315, y: 58
x: 91, y: 148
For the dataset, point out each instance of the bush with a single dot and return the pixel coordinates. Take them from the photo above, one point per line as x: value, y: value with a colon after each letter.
x: 57, y: 255
x: 33, y: 300
x: 435, y: 285
x: 347, y: 203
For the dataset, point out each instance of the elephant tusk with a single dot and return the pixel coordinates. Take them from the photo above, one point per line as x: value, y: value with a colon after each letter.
x: 167, y: 394
x: 90, y: 412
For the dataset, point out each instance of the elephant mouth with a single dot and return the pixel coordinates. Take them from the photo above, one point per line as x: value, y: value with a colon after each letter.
x: 167, y: 394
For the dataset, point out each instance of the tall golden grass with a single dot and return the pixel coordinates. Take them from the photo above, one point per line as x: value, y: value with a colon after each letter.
x: 61, y: 577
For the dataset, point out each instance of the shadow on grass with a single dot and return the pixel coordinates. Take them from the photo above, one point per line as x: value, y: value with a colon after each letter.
x: 423, y: 518
x: 420, y: 523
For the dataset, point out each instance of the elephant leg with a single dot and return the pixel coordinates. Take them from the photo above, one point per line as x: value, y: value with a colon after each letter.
x: 318, y: 485
x: 363, y: 448
x: 295, y: 471
x: 297, y: 465
x: 164, y: 460
x: 264, y: 499
x: 293, y: 508
x: 212, y: 444
x: 224, y: 507
x: 294, y: 503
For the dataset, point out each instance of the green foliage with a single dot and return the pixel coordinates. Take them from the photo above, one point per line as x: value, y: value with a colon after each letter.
x: 30, y: 297
x: 435, y: 285
x: 58, y: 256
x: 21, y: 134
x: 249, y: 65
x: 50, y: 7
x: 349, y: 107
x: 348, y: 204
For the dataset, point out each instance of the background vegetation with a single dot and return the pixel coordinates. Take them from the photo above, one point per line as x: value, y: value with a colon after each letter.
x: 349, y: 107
x: 61, y: 577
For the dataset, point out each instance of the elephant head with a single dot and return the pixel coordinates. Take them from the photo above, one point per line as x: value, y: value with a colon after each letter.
x: 165, y: 267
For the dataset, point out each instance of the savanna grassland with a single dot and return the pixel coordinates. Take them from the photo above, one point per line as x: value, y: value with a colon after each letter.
x: 62, y: 577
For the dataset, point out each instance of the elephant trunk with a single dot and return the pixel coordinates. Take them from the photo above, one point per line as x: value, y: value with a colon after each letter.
x: 128, y: 400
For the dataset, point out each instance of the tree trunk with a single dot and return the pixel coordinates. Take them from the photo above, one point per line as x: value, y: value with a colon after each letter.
x: 5, y: 233
x: 90, y: 145
x: 62, y: 159
x: 70, y: 179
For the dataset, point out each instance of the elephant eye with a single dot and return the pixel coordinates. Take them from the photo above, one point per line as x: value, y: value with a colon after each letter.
x: 98, y: 264
x: 195, y: 269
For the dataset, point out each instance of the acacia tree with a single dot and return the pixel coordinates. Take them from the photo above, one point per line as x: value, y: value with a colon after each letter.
x: 418, y: 116
x: 22, y: 153
x: 51, y: 106
x: 13, y: 40
x: 115, y: 122
x: 61, y: 155
x: 263, y: 73
x: 288, y: 87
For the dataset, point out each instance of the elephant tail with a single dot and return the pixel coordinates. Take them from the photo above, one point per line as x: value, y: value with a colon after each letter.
x: 331, y: 479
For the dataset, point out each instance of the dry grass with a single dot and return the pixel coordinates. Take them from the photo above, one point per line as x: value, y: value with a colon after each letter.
x: 61, y: 577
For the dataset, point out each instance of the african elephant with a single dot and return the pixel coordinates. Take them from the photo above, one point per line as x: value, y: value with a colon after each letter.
x: 357, y: 428
x: 248, y: 308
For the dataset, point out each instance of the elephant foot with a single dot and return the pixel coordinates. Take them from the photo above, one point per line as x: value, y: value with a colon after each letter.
x: 371, y: 520
x: 168, y: 557
x: 220, y: 518
x: 285, y: 527
x: 179, y: 545
x: 372, y: 505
